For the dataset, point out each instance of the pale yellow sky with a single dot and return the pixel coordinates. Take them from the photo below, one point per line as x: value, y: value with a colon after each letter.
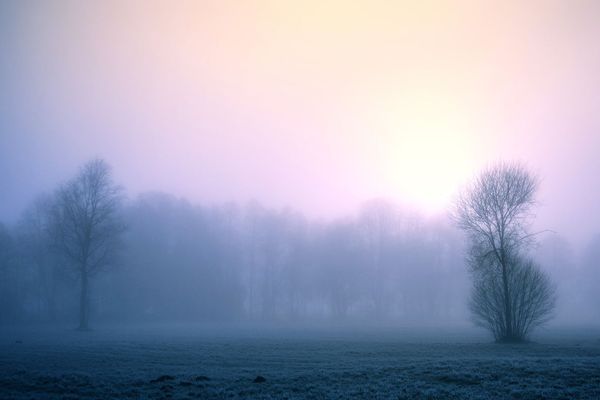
x: 316, y: 105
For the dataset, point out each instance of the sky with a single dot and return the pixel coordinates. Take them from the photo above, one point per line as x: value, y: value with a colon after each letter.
x: 319, y: 105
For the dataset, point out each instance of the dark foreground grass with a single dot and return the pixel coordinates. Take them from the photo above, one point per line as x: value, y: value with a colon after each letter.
x: 153, y: 364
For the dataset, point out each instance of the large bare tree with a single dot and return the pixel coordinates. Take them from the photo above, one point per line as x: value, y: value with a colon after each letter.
x: 511, y: 295
x: 86, y: 225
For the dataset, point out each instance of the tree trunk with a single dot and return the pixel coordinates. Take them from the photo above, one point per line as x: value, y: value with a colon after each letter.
x: 507, y: 308
x: 52, y: 297
x: 83, y: 302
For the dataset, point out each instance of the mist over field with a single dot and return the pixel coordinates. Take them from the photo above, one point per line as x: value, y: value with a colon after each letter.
x: 299, y: 200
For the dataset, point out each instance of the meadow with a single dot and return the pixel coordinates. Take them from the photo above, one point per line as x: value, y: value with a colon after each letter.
x: 217, y: 362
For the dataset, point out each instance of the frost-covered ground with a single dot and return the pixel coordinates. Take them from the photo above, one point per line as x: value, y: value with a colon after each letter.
x: 210, y: 363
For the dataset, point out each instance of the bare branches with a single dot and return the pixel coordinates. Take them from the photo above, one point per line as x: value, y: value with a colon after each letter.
x: 495, y: 208
x: 510, y: 294
x: 532, y: 298
x: 86, y: 225
x: 85, y: 216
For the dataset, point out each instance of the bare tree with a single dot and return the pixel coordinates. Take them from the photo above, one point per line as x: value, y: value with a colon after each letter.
x: 510, y: 294
x: 86, y: 226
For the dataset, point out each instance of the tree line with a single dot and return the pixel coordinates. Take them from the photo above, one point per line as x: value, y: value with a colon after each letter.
x: 85, y: 250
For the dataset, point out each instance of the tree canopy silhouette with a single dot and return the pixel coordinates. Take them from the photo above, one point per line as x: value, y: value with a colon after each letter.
x: 511, y: 294
x: 86, y: 226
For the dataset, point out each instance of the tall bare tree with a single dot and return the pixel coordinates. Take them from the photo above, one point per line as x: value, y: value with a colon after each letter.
x: 86, y: 225
x: 511, y: 295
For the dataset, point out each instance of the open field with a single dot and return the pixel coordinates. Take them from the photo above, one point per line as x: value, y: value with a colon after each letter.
x: 208, y: 363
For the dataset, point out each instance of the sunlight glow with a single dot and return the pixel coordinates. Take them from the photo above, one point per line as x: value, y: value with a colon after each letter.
x: 427, y: 149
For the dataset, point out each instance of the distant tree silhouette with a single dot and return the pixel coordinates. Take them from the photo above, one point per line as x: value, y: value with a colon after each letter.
x: 376, y: 223
x: 511, y: 295
x: 10, y: 304
x: 36, y: 248
x: 86, y: 226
